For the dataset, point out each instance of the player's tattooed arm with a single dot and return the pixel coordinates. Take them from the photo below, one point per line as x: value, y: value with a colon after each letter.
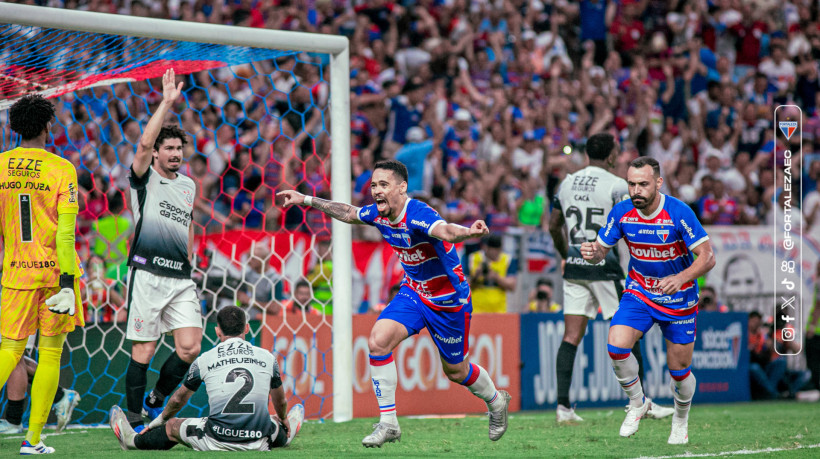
x: 338, y: 210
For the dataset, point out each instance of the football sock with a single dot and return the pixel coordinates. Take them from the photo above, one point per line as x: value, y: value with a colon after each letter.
x: 15, y: 410
x: 170, y: 375
x: 563, y: 370
x: 683, y: 389
x: 636, y: 351
x: 11, y: 351
x: 44, y: 386
x: 135, y: 380
x: 479, y: 383
x: 385, y: 379
x: 626, y: 372
x: 156, y: 439
x: 59, y: 395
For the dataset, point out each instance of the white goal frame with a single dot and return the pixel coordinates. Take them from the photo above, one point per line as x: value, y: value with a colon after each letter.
x: 338, y: 49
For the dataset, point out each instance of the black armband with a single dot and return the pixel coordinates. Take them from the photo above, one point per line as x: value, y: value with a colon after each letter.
x: 67, y: 281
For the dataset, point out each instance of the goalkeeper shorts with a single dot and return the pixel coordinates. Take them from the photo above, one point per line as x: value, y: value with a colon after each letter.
x: 23, y: 312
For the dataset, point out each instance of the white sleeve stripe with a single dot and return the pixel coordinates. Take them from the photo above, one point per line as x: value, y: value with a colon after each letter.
x: 698, y: 242
x: 435, y: 223
x: 601, y: 241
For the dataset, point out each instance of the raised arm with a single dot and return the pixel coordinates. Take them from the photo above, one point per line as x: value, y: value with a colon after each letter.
x: 453, y: 233
x: 338, y: 210
x: 145, y: 148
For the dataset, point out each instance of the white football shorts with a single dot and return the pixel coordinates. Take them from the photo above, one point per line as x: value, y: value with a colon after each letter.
x: 159, y: 304
x: 192, y: 432
x: 582, y: 297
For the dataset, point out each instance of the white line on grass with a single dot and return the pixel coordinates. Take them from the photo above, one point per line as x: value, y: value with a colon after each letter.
x: 732, y: 453
x: 52, y: 434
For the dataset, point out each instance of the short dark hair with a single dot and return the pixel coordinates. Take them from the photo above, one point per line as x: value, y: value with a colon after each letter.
x: 600, y: 146
x: 754, y: 314
x: 30, y: 116
x: 642, y: 161
x: 301, y: 283
x: 170, y: 132
x: 544, y: 281
x: 231, y: 320
x: 493, y: 240
x: 399, y: 169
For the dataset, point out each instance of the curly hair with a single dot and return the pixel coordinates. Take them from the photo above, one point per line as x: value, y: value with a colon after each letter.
x: 30, y: 116
x: 170, y: 132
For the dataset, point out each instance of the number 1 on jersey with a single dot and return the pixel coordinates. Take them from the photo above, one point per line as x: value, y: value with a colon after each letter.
x: 25, y: 218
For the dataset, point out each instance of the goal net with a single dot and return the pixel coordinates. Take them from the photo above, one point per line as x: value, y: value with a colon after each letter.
x: 265, y: 111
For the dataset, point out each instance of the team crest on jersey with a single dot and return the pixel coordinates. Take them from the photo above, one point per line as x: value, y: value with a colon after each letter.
x: 189, y: 197
x: 138, y: 324
x: 787, y: 128
x: 406, y: 238
x: 663, y: 234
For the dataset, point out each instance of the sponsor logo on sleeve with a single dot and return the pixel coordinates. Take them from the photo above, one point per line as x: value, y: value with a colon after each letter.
x: 424, y: 225
x: 609, y: 226
x: 72, y: 193
x: 688, y: 229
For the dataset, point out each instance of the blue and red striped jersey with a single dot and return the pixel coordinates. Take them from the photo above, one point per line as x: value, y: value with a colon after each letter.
x: 660, y: 245
x: 431, y: 266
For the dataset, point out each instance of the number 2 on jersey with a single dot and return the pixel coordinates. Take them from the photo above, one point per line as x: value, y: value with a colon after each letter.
x: 25, y: 218
x: 235, y: 405
x: 577, y: 235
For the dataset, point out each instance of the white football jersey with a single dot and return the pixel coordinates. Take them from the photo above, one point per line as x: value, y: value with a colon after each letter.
x: 585, y: 198
x: 238, y: 377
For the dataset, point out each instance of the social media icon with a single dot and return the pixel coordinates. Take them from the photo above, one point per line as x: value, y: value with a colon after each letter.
x: 787, y: 334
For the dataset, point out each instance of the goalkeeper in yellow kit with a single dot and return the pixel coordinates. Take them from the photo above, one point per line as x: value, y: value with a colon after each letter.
x: 38, y: 213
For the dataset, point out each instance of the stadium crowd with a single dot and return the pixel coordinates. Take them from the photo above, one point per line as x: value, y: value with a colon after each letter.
x: 488, y: 103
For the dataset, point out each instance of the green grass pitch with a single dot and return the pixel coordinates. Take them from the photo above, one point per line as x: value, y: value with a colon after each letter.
x: 788, y: 429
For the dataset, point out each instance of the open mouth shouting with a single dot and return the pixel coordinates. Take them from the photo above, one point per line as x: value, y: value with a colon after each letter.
x: 381, y: 205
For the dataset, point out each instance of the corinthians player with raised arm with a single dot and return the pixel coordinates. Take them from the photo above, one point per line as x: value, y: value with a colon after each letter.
x: 161, y: 295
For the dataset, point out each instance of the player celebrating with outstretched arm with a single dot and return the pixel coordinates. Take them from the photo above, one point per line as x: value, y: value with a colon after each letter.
x: 434, y: 294
x: 662, y: 234
x: 161, y: 295
x: 38, y: 214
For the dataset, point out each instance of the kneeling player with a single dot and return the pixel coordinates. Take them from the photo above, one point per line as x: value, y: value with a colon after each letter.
x: 239, y: 379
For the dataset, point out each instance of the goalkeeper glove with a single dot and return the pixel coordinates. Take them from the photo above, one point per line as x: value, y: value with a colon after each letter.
x: 64, y: 301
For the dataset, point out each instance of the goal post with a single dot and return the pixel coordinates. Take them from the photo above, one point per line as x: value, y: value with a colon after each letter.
x: 336, y: 47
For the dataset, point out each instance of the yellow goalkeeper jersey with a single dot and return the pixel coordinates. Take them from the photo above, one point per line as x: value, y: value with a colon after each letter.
x: 35, y: 186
